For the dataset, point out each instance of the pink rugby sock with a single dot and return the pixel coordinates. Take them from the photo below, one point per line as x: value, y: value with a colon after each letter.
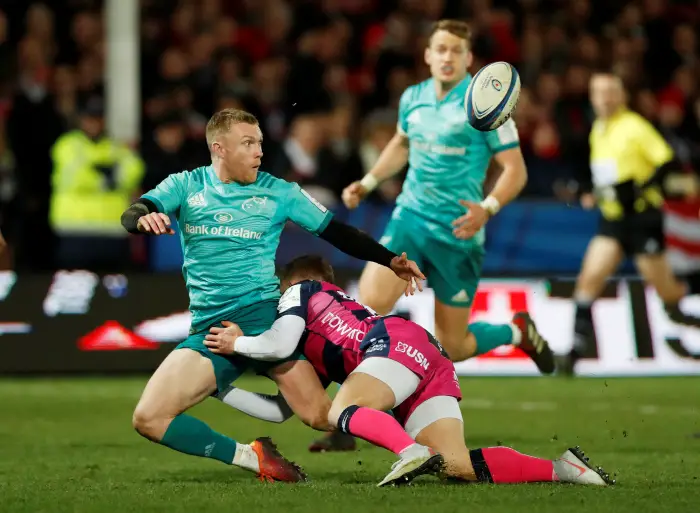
x: 509, y: 466
x: 376, y: 427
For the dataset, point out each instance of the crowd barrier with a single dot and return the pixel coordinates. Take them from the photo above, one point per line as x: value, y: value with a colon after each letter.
x: 79, y: 321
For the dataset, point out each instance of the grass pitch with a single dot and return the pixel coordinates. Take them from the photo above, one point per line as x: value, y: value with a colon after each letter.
x: 66, y: 445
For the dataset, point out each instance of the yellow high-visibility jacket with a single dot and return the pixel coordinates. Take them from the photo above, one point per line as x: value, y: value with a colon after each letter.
x: 86, y: 200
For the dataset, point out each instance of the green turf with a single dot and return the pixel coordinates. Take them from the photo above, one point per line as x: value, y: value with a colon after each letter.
x: 68, y: 446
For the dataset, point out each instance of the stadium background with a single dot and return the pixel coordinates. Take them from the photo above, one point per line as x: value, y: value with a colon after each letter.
x: 324, y: 77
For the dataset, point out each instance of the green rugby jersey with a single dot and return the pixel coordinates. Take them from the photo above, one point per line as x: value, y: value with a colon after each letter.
x: 448, y: 158
x: 229, y: 235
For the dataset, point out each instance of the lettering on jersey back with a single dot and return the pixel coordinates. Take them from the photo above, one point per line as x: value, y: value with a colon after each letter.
x: 341, y: 327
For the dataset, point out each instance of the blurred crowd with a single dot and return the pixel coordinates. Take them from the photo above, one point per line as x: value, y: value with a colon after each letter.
x: 324, y: 77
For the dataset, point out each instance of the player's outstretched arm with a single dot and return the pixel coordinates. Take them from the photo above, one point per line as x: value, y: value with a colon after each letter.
x: 392, y: 160
x: 358, y: 244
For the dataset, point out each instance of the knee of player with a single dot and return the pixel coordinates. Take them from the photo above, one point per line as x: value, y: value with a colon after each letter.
x: 338, y: 408
x: 147, y: 424
x: 316, y: 417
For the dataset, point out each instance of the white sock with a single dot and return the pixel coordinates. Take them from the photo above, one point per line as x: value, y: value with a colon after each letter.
x: 413, y: 451
x: 517, y: 334
x: 245, y: 457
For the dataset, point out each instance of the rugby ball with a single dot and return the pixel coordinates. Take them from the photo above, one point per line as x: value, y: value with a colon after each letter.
x: 492, y: 96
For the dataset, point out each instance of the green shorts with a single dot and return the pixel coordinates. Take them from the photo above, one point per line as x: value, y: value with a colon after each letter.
x: 253, y: 320
x: 453, y: 270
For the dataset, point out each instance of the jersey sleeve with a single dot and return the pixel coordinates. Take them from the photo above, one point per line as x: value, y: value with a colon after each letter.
x: 652, y: 145
x: 169, y: 194
x: 503, y: 138
x: 295, y: 300
x: 404, y: 104
x: 307, y: 212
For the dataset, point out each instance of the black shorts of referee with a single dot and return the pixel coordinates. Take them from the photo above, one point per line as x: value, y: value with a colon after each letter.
x: 639, y: 233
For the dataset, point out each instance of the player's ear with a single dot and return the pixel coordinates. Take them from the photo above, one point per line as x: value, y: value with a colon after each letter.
x: 470, y: 58
x: 216, y: 149
x: 427, y: 55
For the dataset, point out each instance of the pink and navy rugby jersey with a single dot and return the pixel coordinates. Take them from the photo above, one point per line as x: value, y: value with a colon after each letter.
x: 336, y: 324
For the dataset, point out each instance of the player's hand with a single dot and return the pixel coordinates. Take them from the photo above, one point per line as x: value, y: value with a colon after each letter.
x: 155, y: 223
x: 588, y: 201
x: 408, y: 270
x: 353, y: 194
x: 469, y: 224
x: 223, y: 340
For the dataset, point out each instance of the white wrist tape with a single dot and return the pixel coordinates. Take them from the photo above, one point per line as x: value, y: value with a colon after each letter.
x: 491, y: 205
x: 369, y: 182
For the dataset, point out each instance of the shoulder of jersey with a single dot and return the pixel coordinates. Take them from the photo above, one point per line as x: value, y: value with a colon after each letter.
x: 412, y: 93
x: 271, y: 182
x: 197, y: 174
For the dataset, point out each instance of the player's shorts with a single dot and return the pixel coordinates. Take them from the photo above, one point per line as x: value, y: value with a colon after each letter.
x: 253, y: 320
x: 395, y: 345
x: 638, y: 234
x: 453, y: 270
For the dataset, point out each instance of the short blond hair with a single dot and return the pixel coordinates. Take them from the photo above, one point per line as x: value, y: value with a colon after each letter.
x: 457, y: 28
x: 222, y: 121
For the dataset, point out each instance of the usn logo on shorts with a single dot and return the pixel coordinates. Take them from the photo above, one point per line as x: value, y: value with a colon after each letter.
x: 411, y: 352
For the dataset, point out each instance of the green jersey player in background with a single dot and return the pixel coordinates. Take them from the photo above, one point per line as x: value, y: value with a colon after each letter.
x: 230, y: 218
x: 440, y: 213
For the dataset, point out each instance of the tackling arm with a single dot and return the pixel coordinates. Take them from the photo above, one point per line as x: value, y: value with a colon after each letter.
x: 277, y: 343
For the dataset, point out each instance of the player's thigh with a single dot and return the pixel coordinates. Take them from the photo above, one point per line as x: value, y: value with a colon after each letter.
x: 656, y: 270
x: 184, y: 379
x: 454, y: 277
x: 438, y: 424
x: 602, y: 258
x: 380, y: 288
x: 377, y: 382
x: 304, y: 393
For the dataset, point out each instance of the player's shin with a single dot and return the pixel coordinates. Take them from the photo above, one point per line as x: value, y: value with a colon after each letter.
x: 376, y: 427
x: 502, y: 465
x: 189, y: 435
x: 490, y: 336
x: 583, y: 325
